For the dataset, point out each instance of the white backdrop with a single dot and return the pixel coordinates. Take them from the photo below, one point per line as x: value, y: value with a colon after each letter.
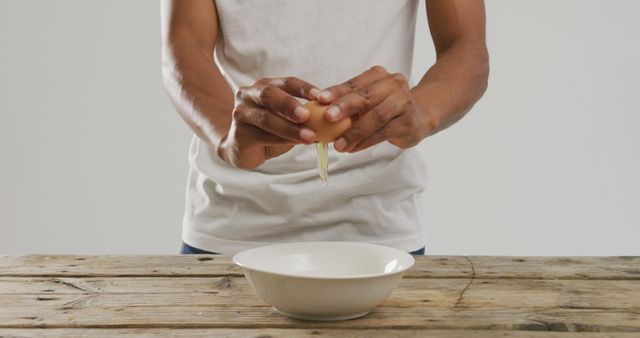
x: 548, y: 163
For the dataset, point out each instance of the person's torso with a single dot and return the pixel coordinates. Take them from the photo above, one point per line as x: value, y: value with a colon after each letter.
x: 324, y: 43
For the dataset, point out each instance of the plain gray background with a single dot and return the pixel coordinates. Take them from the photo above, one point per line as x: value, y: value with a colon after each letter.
x: 548, y: 163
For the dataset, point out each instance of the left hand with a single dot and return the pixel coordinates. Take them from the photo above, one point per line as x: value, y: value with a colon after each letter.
x: 383, y: 109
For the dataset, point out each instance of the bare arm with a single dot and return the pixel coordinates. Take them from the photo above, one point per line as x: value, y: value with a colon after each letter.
x: 388, y: 109
x: 194, y: 84
x: 246, y: 128
x: 459, y: 77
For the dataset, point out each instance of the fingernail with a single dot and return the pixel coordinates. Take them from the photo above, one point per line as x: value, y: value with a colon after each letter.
x: 314, y: 92
x: 301, y: 113
x: 326, y: 95
x: 333, y: 113
x: 307, y: 134
x: 340, y: 144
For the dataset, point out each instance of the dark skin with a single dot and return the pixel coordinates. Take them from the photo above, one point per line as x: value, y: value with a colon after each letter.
x: 263, y: 120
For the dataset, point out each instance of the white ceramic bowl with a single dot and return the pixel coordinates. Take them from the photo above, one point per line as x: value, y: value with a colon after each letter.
x: 324, y: 280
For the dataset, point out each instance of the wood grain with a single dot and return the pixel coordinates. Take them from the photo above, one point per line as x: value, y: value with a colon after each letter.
x: 114, y: 313
x: 230, y: 302
x: 298, y: 333
x: 627, y: 267
x: 411, y: 292
x: 53, y: 296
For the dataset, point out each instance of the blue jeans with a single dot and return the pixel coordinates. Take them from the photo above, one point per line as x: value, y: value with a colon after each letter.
x: 189, y: 250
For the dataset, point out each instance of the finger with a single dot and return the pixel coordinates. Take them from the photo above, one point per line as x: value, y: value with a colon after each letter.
x: 253, y: 136
x: 275, y: 124
x: 248, y: 145
x: 294, y: 86
x: 253, y: 146
x: 360, y: 100
x: 367, y: 77
x: 372, y: 122
x: 299, y: 88
x: 279, y: 101
x: 370, y: 141
x: 274, y: 99
x: 278, y: 95
x: 275, y: 151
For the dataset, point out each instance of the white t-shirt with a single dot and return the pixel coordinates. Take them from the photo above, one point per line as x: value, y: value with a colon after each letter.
x: 372, y: 194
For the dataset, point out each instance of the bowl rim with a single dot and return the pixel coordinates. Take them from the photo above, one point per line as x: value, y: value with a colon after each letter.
x: 360, y: 276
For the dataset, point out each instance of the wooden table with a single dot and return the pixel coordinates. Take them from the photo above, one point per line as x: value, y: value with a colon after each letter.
x: 208, y: 296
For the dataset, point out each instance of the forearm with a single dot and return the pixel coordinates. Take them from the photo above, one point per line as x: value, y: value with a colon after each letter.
x: 198, y: 90
x: 452, y: 85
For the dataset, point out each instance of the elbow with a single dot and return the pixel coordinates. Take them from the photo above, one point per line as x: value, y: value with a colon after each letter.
x: 170, y: 58
x: 168, y: 62
x: 170, y: 72
x: 473, y: 58
x: 168, y: 75
x: 172, y: 80
x: 483, y: 70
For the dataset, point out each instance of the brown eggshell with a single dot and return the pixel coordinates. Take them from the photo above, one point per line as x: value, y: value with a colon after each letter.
x: 326, y: 131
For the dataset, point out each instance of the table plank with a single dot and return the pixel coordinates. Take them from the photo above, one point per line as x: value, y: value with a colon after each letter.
x: 516, y: 304
x: 84, y: 313
x: 438, y: 292
x: 622, y: 267
x: 475, y: 294
x: 297, y: 333
x: 426, y: 266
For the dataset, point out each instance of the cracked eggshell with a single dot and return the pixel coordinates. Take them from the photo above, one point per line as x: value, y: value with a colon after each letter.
x: 326, y: 131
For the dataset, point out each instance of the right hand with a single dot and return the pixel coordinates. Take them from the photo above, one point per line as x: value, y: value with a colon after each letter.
x: 267, y: 121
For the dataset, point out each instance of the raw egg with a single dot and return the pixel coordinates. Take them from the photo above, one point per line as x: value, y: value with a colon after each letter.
x: 326, y: 131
